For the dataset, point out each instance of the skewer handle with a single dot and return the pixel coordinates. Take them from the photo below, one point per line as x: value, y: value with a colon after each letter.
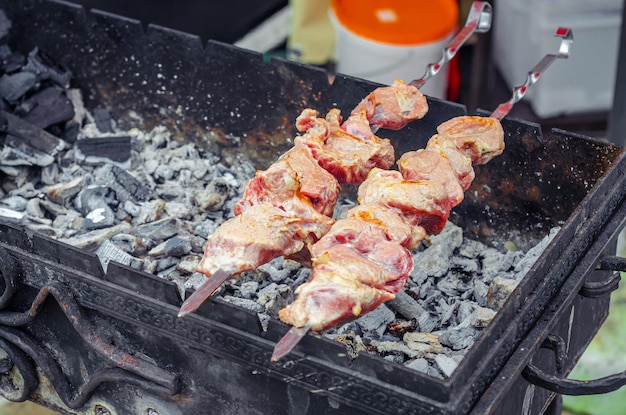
x: 478, y: 20
x: 565, y: 48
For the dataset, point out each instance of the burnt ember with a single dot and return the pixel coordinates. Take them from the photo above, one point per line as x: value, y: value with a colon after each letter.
x: 145, y: 200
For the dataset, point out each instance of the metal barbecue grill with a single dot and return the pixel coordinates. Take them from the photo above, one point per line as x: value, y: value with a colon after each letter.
x: 84, y: 341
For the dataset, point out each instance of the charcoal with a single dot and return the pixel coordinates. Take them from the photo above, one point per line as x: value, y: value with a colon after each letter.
x: 99, y: 218
x: 244, y: 303
x: 248, y: 289
x: 464, y: 312
x: 458, y: 339
x: 275, y: 270
x: 406, y: 306
x: 71, y: 223
x: 11, y: 215
x: 31, y: 135
x: 264, y: 321
x: 269, y: 293
x: 178, y: 210
x: 445, y: 364
x: 434, y: 261
x: 427, y: 322
x: 187, y: 264
x: 125, y: 185
x: 197, y: 244
x: 166, y: 265
x: 482, y: 316
x: 522, y: 267
x: 12, y: 62
x: 76, y: 98
x: 423, y: 342
x: 5, y: 24
x: 375, y: 322
x: 386, y: 347
x: 131, y: 244
x: 50, y: 174
x: 23, y: 155
x: 499, y: 290
x: 353, y: 342
x: 176, y: 246
x: 213, y: 196
x: 480, y: 292
x: 163, y: 172
x: 149, y: 212
x: 33, y: 208
x: 103, y: 120
x: 471, y: 249
x: 420, y: 364
x: 15, y: 86
x: 53, y: 208
x: 15, y: 202
x: 47, y: 107
x: 170, y: 190
x: 98, y: 150
x: 93, y: 239
x: 63, y: 192
x: 40, y: 64
x: 108, y: 252
x: 159, y: 230
x: 465, y: 265
x: 92, y: 197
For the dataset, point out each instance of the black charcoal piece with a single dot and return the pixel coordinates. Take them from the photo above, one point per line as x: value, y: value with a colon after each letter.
x: 12, y: 62
x: 5, y: 24
x: 45, y: 68
x: 126, y: 186
x: 47, y: 107
x: 102, y: 118
x: 15, y: 152
x: 98, y: 149
x: 32, y: 135
x: 14, y: 86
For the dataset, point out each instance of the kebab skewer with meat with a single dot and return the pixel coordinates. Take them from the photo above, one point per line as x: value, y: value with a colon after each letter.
x: 365, y: 259
x: 289, y: 205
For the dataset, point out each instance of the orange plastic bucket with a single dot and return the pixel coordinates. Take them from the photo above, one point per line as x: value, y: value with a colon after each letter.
x: 382, y: 40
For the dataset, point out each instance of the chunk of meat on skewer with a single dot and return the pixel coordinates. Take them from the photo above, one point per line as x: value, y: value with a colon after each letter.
x: 478, y: 138
x: 264, y: 232
x: 393, y: 107
x: 294, y: 174
x: 420, y: 196
x: 349, y: 150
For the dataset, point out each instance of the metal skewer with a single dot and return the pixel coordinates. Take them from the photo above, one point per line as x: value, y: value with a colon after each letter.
x: 567, y: 40
x: 478, y: 20
x: 295, y: 334
x: 196, y: 299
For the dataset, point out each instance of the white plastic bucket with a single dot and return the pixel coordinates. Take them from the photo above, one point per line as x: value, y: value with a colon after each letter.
x: 384, y: 62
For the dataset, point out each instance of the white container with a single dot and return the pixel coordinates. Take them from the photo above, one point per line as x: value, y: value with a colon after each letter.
x: 379, y: 60
x: 583, y: 83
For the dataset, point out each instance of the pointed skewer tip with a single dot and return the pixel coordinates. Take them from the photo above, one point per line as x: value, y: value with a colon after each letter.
x: 203, y: 292
x: 286, y: 344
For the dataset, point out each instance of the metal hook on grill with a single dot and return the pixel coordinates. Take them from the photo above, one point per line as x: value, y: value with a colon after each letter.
x: 565, y: 48
x: 478, y: 20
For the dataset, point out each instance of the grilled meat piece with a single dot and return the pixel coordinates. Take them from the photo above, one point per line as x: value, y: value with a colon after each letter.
x: 393, y: 107
x: 349, y: 150
x: 262, y: 233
